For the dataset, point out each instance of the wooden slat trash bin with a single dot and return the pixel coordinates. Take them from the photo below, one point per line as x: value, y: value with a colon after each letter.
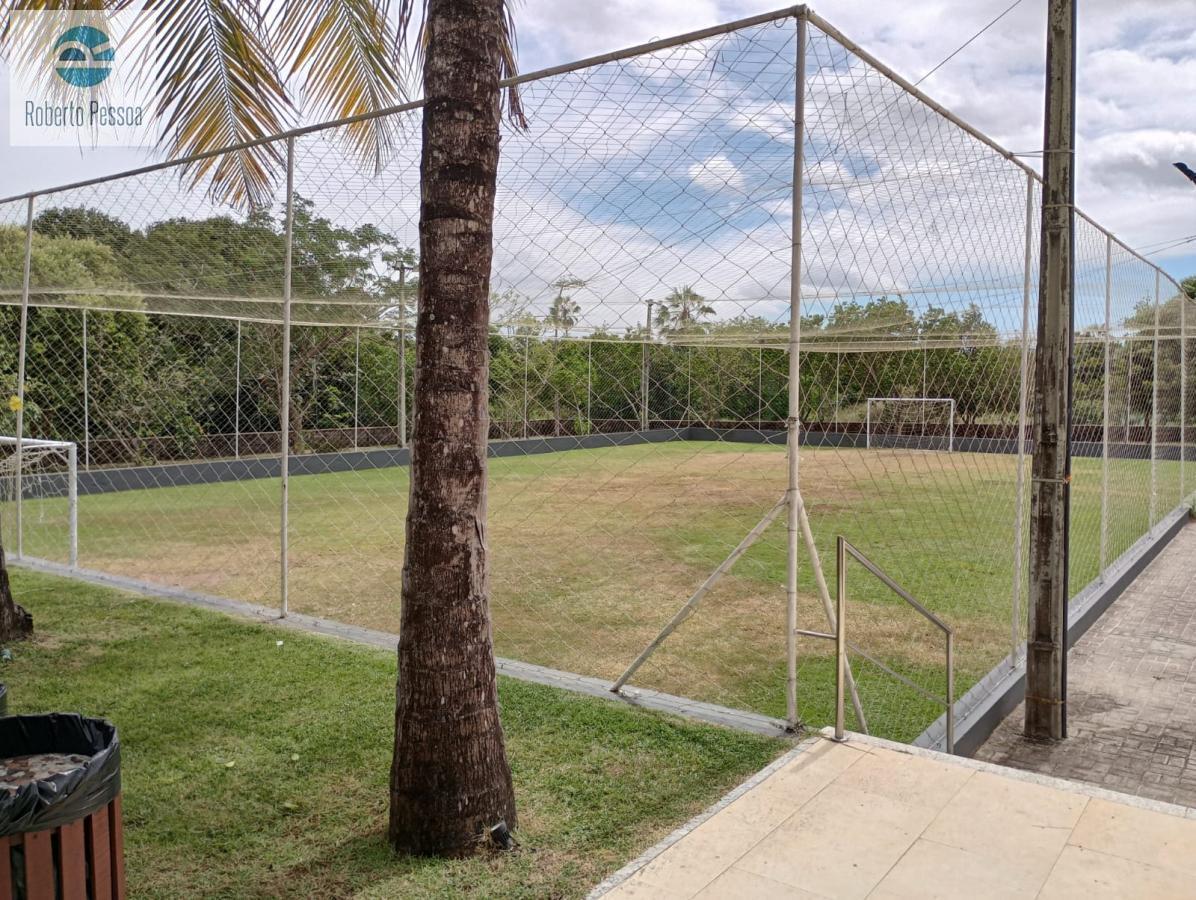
x: 60, y: 821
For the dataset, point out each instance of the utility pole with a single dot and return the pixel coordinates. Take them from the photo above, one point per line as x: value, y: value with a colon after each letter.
x: 1050, y: 497
x: 646, y: 370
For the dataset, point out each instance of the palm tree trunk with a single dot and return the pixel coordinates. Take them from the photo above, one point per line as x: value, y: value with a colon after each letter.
x: 450, y: 780
x: 15, y: 622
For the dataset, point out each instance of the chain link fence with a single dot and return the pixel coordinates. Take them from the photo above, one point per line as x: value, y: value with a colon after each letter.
x: 657, y: 387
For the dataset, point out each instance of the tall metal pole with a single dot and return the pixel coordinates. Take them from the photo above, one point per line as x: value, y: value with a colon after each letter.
x: 284, y: 409
x: 1046, y: 658
x: 1129, y: 370
x: 1154, y: 412
x: 1183, y: 393
x: 86, y: 400
x: 20, y: 404
x: 760, y: 388
x: 1107, y: 412
x: 646, y: 371
x: 237, y: 400
x: 402, y: 424
x: 838, y: 359
x: 793, y: 510
x: 72, y: 504
x: 356, y: 385
x: 1019, y: 514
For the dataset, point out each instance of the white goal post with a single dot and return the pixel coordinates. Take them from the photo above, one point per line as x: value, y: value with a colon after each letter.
x: 52, y: 468
x: 910, y: 413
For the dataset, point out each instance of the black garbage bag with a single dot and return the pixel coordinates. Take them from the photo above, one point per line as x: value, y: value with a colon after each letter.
x: 59, y: 799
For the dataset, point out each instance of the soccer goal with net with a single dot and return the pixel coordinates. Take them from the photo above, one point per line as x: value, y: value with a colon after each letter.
x: 42, y: 474
x: 913, y: 423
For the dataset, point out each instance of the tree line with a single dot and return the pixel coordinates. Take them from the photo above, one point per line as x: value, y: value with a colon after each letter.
x: 159, y: 385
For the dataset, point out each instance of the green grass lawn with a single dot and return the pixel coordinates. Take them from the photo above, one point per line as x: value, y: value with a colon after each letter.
x: 593, y: 550
x: 257, y: 770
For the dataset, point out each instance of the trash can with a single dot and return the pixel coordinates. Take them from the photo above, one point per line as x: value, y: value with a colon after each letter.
x: 60, y: 828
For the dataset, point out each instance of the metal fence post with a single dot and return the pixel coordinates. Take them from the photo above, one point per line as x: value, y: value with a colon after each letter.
x: 840, y: 635
x: 792, y: 518
x: 527, y: 349
x: 589, y: 385
x: 72, y: 501
x: 838, y: 358
x: 759, y: 388
x: 20, y: 410
x: 237, y: 400
x: 356, y: 384
x: 1107, y: 413
x: 646, y: 370
x: 689, y: 387
x: 1019, y: 514
x: 402, y: 355
x: 284, y: 411
x: 1154, y: 412
x: 1183, y: 394
x: 86, y: 401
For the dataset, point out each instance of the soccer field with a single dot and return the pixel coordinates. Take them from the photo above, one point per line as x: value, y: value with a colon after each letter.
x: 593, y: 550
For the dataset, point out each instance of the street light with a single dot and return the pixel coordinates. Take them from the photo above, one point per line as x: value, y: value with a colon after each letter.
x: 1183, y: 167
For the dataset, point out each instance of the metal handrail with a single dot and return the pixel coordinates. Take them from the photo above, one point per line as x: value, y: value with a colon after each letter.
x: 843, y: 549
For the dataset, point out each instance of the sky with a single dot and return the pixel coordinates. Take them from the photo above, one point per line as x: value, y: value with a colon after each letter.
x: 1136, y: 76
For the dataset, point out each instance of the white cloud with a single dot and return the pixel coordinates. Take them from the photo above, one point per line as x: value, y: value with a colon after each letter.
x: 716, y: 174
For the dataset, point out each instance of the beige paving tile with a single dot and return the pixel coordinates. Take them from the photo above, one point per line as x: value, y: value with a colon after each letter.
x: 737, y: 884
x: 905, y: 777
x: 840, y: 844
x: 1000, y: 818
x: 1088, y: 875
x: 636, y: 888
x: 701, y: 856
x: 1150, y: 837
x: 771, y: 803
x: 930, y: 870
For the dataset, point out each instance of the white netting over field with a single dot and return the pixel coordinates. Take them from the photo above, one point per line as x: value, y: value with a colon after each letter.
x: 639, y: 374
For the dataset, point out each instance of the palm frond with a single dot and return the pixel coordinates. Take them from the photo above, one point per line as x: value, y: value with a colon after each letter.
x: 216, y: 85
x: 349, y: 59
x: 508, y: 48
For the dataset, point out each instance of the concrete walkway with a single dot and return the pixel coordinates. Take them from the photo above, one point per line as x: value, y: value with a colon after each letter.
x: 1131, y: 692
x: 873, y: 819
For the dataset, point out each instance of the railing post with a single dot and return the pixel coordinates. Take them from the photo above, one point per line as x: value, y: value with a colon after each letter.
x: 20, y: 410
x: 1019, y: 513
x: 1106, y: 416
x: 284, y: 411
x: 792, y: 520
x: 840, y: 635
x: 1154, y: 413
x: 86, y: 401
x: 950, y: 692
